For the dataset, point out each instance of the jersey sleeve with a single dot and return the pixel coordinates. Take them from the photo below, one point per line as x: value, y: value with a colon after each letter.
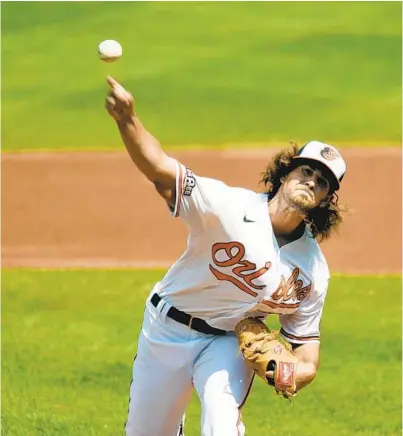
x: 303, y: 325
x: 199, y: 201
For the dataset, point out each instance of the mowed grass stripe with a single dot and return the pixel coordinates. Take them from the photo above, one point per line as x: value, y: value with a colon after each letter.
x: 384, y: 146
x: 206, y: 72
x: 69, y: 338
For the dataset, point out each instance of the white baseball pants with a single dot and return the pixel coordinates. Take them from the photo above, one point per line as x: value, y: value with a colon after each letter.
x: 171, y: 360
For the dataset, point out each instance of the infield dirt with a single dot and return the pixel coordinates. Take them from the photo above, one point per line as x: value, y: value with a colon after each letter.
x: 94, y: 209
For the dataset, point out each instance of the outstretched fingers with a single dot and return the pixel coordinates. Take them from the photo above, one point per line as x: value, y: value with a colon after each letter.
x: 119, y: 102
x: 112, y: 82
x: 119, y: 92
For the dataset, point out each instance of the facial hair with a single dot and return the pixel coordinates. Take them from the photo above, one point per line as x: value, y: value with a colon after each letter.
x: 301, y: 202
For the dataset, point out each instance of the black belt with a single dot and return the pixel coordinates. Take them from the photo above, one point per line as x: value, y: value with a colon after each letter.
x: 194, y: 323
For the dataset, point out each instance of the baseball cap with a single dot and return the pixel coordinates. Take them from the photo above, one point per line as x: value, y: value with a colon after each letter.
x: 327, y: 155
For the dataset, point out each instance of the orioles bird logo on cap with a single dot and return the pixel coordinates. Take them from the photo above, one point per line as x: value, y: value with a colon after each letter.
x: 329, y: 153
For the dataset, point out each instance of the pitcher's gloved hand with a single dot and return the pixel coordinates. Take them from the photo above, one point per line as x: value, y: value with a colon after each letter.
x: 270, y: 356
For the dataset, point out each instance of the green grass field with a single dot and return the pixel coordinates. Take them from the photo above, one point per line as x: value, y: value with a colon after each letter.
x: 69, y: 338
x: 203, y: 72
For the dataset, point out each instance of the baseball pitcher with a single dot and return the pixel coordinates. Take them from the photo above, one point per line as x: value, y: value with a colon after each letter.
x: 248, y: 255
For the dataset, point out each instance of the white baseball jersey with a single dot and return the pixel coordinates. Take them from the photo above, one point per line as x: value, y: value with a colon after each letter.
x: 233, y: 266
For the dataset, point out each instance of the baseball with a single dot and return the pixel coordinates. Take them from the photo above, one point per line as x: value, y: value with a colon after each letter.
x: 109, y: 50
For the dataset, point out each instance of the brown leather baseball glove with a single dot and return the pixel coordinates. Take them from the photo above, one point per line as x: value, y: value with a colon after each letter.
x: 265, y: 351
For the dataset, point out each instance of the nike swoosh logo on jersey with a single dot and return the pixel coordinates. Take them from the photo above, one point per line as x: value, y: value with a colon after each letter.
x: 247, y: 220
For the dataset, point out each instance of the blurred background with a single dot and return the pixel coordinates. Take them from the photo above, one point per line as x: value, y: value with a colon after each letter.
x: 223, y: 85
x: 203, y: 72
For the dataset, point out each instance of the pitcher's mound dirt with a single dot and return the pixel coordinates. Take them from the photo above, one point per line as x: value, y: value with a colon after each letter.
x: 84, y: 209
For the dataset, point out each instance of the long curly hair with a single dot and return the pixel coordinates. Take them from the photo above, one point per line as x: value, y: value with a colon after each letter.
x: 321, y: 221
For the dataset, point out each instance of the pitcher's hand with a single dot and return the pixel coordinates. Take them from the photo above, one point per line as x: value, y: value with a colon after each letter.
x: 119, y: 102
